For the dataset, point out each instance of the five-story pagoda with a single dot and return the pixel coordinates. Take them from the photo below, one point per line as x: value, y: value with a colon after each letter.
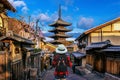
x: 59, y: 30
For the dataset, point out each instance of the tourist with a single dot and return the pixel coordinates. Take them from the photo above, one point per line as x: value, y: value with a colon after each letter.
x: 60, y: 62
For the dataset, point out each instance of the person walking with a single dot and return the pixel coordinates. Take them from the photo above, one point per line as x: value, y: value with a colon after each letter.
x: 61, y: 61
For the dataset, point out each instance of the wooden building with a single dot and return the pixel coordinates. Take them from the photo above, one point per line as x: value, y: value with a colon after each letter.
x: 19, y: 59
x: 107, y: 31
x: 35, y: 69
x: 13, y: 45
x: 104, y: 57
x: 94, y: 59
x: 59, y: 31
x: 50, y: 47
x: 97, y: 39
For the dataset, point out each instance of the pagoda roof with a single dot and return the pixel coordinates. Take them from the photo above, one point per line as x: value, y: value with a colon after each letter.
x: 56, y: 42
x: 7, y: 5
x: 60, y: 29
x: 60, y: 35
x: 60, y: 22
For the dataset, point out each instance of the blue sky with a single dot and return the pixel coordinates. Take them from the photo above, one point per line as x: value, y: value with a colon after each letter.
x: 83, y: 14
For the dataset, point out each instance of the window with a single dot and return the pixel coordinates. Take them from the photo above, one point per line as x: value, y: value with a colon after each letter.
x: 116, y: 26
x: 17, y: 50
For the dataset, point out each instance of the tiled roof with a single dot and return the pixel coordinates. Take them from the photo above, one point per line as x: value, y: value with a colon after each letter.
x: 60, y: 29
x: 17, y: 38
x: 55, y: 42
x: 98, y: 45
x: 29, y: 48
x: 60, y: 22
x: 60, y: 35
x: 112, y: 49
x: 78, y: 54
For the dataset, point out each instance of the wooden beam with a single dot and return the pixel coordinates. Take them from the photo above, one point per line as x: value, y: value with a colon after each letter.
x: 101, y: 35
x: 6, y: 41
x: 107, y: 32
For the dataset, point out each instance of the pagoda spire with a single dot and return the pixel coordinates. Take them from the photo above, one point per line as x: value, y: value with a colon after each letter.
x: 59, y: 12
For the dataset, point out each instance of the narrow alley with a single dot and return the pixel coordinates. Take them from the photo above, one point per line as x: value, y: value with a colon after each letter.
x: 40, y: 38
x: 72, y: 76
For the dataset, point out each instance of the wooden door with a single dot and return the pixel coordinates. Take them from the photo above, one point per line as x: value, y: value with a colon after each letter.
x: 99, y: 63
x: 4, y: 73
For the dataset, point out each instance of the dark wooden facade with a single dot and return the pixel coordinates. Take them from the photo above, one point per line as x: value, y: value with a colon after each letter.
x: 35, y: 65
x: 104, y: 58
x: 16, y: 59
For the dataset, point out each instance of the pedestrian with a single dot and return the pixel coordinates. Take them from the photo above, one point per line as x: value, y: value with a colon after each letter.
x: 61, y: 61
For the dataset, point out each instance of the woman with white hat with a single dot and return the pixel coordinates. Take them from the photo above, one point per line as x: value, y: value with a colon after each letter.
x: 60, y: 62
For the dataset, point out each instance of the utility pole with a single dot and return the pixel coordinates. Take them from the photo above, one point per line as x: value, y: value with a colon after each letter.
x: 29, y: 19
x: 37, y: 25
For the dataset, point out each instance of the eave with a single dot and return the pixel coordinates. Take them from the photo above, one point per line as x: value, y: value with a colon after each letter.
x: 60, y: 22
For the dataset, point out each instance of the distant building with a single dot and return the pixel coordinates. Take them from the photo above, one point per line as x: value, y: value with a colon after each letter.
x: 59, y: 31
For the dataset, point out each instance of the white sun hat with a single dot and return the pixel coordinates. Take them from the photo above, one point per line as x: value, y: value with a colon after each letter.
x: 61, y: 49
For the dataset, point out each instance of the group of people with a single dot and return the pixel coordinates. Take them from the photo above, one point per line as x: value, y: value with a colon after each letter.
x: 60, y: 62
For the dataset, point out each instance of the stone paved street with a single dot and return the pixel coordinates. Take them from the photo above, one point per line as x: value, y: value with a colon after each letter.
x: 50, y: 76
x: 92, y: 76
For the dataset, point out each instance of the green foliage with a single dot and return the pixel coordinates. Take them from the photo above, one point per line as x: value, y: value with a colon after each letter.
x: 37, y: 50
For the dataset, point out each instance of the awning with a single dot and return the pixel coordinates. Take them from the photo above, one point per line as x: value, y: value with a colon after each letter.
x: 17, y: 38
x: 78, y: 54
x: 28, y: 48
x: 112, y: 49
x: 98, y: 45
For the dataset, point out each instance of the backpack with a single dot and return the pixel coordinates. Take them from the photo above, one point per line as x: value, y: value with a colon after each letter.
x: 61, y: 65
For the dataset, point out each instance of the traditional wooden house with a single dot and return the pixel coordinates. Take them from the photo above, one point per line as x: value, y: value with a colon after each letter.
x: 97, y: 39
x: 94, y: 60
x: 50, y: 47
x: 59, y: 31
x: 14, y: 45
x: 107, y: 31
x: 35, y: 70
x: 104, y: 57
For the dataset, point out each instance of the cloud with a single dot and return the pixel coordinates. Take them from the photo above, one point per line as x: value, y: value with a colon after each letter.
x: 70, y: 39
x: 19, y: 3
x: 44, y: 17
x: 85, y: 23
x: 24, y: 9
x: 77, y: 30
x: 48, y: 39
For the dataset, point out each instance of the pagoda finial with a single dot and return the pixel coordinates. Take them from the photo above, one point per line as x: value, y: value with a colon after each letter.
x: 59, y: 13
